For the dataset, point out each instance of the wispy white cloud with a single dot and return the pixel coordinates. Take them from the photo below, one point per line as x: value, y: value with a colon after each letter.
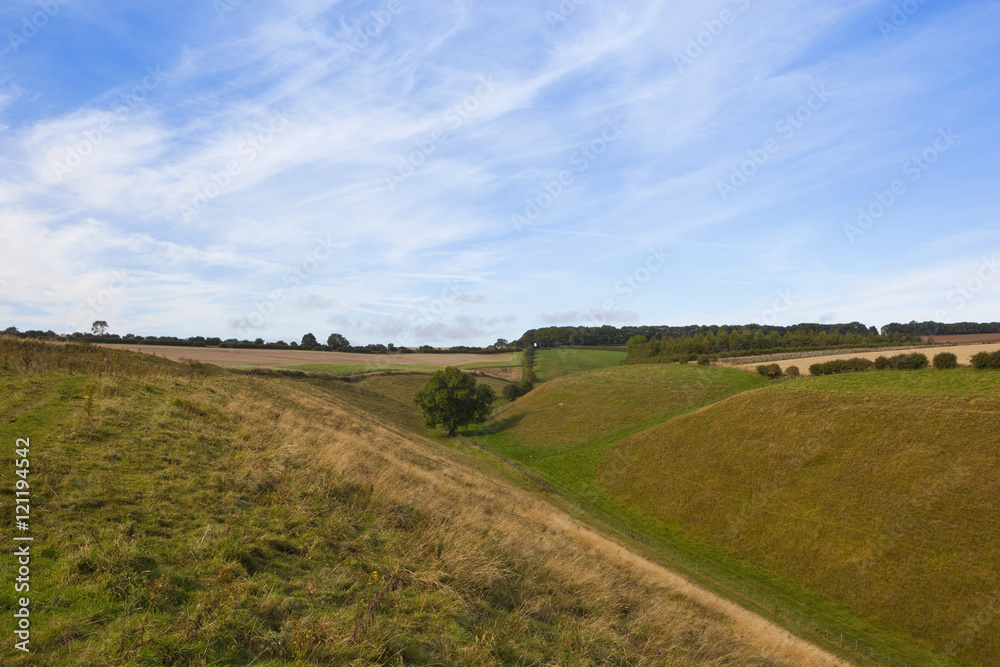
x: 407, y: 151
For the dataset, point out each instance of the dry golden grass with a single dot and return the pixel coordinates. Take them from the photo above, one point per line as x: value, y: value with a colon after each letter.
x: 669, y: 620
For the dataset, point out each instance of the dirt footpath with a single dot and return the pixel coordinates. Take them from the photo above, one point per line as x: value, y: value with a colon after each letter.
x: 963, y: 352
x: 227, y: 356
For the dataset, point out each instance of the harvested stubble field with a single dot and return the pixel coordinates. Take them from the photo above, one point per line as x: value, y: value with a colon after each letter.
x: 187, y: 515
x: 963, y: 352
x: 227, y: 356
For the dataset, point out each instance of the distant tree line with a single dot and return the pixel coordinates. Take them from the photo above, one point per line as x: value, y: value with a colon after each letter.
x: 334, y: 343
x: 718, y: 340
x: 713, y: 342
x: 941, y: 329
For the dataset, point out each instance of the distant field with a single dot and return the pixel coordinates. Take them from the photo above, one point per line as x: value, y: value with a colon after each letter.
x: 963, y: 352
x: 350, y: 369
x: 552, y: 364
x: 879, y: 490
x: 224, y: 356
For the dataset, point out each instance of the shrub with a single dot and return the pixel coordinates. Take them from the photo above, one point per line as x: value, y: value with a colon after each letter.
x: 792, y: 372
x: 908, y: 362
x: 704, y: 360
x: 986, y: 360
x: 842, y: 366
x: 945, y: 360
x: 770, y: 371
x: 882, y: 363
x: 512, y: 392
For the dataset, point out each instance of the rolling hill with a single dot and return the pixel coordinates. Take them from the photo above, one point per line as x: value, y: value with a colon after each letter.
x: 881, y: 491
x: 182, y: 514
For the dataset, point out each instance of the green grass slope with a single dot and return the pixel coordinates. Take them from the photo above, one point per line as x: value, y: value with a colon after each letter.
x: 879, y: 490
x: 184, y: 515
x: 563, y: 428
x: 583, y: 408
x: 552, y: 364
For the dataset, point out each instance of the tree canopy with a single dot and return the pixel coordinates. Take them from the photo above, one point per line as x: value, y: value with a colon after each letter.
x: 337, y: 341
x: 452, y: 399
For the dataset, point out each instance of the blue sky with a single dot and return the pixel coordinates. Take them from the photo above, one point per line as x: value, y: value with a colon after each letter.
x: 455, y: 172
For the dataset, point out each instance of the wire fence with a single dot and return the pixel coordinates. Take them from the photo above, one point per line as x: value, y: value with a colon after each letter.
x: 794, y: 612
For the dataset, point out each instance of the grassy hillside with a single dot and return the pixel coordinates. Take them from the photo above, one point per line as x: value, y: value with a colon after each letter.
x: 878, y: 490
x: 583, y: 408
x: 186, y: 515
x: 552, y: 364
x: 563, y: 428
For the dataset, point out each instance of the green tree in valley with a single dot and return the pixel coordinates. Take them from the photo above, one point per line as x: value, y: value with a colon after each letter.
x: 452, y: 399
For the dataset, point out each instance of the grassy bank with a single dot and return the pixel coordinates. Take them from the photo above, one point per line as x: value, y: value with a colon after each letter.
x: 185, y: 515
x: 552, y: 364
x: 877, y: 491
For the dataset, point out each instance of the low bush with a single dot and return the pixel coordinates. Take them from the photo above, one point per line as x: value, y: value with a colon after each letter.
x: 512, y: 392
x: 882, y: 363
x: 793, y: 372
x: 770, y: 371
x: 986, y: 360
x: 945, y: 360
x: 909, y: 362
x: 704, y: 360
x: 842, y: 366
